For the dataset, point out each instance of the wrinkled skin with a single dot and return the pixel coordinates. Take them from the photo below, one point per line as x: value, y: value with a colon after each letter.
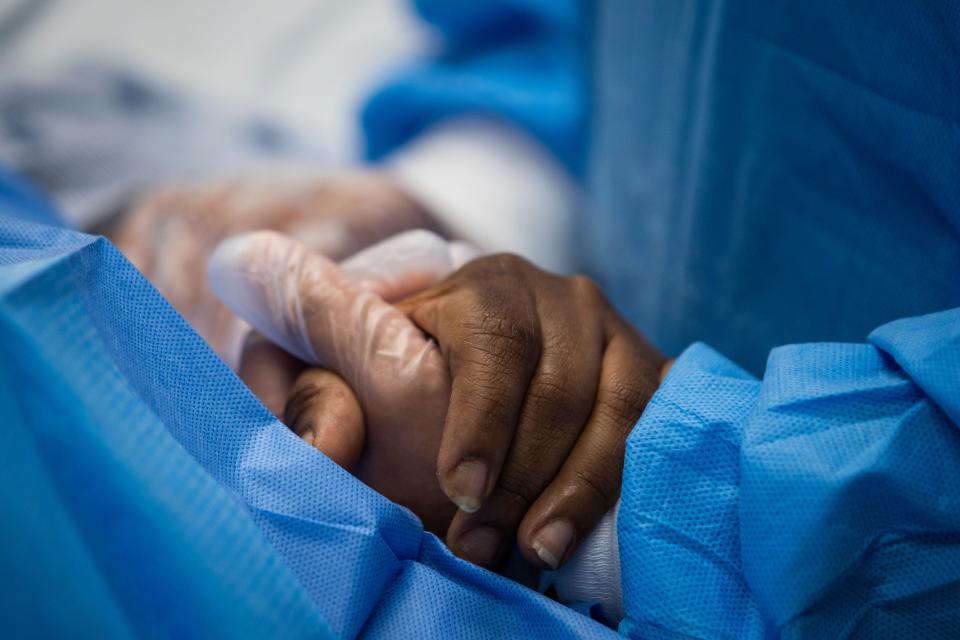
x: 170, y: 232
x: 531, y: 376
x: 381, y: 416
x: 547, y: 381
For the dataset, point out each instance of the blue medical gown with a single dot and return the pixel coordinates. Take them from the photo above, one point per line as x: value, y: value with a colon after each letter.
x: 146, y: 493
x: 515, y: 60
x: 764, y: 174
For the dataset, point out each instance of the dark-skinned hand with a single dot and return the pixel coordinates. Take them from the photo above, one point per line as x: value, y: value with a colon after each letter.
x: 504, y: 388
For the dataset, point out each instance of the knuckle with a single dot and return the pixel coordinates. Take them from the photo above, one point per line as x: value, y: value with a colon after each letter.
x: 516, y: 328
x: 553, y: 397
x: 604, y: 488
x: 501, y: 340
x: 623, y: 401
x: 505, y: 262
x: 511, y: 263
x: 518, y: 480
x: 487, y: 404
x: 504, y: 268
x: 587, y: 291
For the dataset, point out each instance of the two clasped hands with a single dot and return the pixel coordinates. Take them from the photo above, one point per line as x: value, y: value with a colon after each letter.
x: 491, y: 398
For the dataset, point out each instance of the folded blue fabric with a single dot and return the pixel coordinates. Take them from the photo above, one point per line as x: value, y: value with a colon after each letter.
x: 820, y: 502
x: 147, y: 493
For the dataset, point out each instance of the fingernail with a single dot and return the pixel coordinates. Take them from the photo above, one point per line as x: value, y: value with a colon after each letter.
x: 479, y: 545
x: 552, y: 541
x: 466, y: 485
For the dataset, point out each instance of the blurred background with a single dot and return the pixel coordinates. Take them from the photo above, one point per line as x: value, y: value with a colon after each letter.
x: 295, y: 70
x: 170, y: 126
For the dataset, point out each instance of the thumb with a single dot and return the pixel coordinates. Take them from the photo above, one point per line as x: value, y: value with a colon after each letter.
x: 305, y: 303
x: 407, y: 263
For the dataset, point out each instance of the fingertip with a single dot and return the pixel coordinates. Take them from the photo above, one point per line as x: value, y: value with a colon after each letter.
x: 324, y: 411
x: 253, y: 274
x: 467, y: 484
x: 553, y: 543
x: 563, y: 515
x: 234, y: 254
x: 479, y: 545
x: 236, y: 258
x: 476, y: 538
x: 229, y: 270
x: 339, y: 435
x: 477, y: 436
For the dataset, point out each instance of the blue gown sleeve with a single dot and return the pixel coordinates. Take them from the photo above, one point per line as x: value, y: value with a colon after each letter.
x: 521, y: 61
x: 820, y: 502
x: 146, y: 493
